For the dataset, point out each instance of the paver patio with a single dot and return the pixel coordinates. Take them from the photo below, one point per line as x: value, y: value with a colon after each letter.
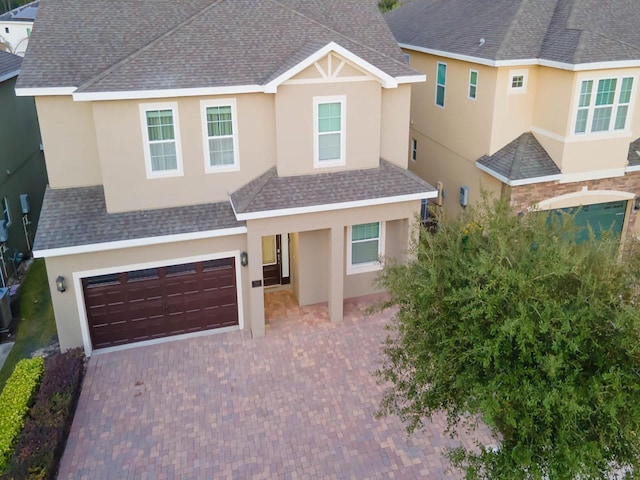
x: 297, y: 403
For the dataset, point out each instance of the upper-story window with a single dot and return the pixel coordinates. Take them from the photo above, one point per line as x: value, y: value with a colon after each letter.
x: 517, y: 81
x: 603, y: 106
x: 473, y: 84
x: 161, y: 139
x: 220, y: 133
x: 441, y: 80
x: 330, y: 130
x: 414, y: 149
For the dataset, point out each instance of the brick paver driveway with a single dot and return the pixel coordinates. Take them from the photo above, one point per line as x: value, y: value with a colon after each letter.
x: 298, y: 403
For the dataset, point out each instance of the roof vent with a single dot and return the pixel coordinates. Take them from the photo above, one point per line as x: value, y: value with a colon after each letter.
x: 481, y: 43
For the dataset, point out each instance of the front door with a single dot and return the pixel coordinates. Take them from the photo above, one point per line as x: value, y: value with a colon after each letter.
x: 271, y: 260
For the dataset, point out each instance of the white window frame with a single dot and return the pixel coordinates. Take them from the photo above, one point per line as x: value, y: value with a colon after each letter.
x: 369, y: 266
x: 443, y: 85
x: 611, y: 131
x: 414, y: 149
x: 173, y: 106
x: 474, y: 85
x: 525, y: 80
x: 6, y: 214
x: 226, y: 102
x: 317, y: 101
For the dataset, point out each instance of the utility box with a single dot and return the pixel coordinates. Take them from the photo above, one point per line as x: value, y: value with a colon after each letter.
x: 5, y: 309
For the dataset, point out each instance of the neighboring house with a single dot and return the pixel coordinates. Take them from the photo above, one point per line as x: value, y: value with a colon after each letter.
x: 15, y: 28
x: 201, y: 150
x: 22, y: 167
x: 533, y: 100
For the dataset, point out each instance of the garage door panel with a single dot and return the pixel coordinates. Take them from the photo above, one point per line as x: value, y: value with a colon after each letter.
x: 158, y: 302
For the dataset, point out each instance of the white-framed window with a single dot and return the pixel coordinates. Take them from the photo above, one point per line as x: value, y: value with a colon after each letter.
x: 365, y: 247
x: 603, y: 105
x: 220, y: 134
x: 473, y: 84
x: 441, y: 81
x: 414, y: 149
x: 5, y: 211
x: 518, y: 81
x: 161, y: 136
x: 329, y: 124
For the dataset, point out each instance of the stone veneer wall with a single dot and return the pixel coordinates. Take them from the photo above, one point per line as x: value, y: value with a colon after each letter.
x: 522, y: 197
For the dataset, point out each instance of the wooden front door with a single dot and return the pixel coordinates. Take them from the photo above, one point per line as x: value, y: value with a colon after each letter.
x: 271, y: 260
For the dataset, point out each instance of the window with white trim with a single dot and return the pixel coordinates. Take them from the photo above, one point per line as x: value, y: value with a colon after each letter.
x: 518, y: 81
x: 220, y: 133
x: 473, y: 84
x: 161, y: 139
x: 603, y: 108
x: 441, y: 81
x: 366, y: 247
x: 329, y: 130
x: 414, y: 149
x: 5, y: 211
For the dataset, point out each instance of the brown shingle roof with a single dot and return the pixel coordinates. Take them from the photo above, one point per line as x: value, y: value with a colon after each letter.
x: 270, y: 192
x: 522, y: 159
x: 568, y: 31
x: 78, y: 216
x: 9, y: 63
x: 125, y: 45
x: 634, y: 156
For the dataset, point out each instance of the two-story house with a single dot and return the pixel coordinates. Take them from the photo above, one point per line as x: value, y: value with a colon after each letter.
x: 16, y: 26
x: 534, y: 100
x: 23, y: 174
x: 201, y: 150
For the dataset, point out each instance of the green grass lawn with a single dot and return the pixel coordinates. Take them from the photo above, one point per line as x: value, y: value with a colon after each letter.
x: 37, y: 326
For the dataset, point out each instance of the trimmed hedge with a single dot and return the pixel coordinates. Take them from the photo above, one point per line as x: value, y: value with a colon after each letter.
x: 38, y: 451
x: 15, y: 401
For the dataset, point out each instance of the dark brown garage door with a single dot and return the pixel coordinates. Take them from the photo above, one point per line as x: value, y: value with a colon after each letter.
x: 158, y: 302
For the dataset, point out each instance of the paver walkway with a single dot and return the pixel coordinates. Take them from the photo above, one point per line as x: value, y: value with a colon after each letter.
x: 298, y: 403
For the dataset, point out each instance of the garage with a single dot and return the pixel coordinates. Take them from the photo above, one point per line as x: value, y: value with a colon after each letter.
x: 158, y: 302
x: 602, y: 217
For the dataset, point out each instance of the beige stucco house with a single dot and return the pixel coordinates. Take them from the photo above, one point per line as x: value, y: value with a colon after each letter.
x: 224, y: 147
x: 534, y: 100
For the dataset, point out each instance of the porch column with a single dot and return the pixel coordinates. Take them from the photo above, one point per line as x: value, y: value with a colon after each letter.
x: 256, y: 293
x: 336, y: 273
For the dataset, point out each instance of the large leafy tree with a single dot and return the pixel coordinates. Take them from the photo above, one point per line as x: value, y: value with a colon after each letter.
x: 505, y: 318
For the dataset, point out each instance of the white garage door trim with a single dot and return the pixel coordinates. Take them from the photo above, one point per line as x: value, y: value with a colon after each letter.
x: 573, y: 199
x: 82, y: 312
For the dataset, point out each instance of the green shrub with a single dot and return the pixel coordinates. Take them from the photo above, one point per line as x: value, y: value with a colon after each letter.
x: 40, y: 446
x: 15, y: 401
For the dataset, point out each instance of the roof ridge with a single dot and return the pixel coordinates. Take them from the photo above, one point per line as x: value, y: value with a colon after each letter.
x: 341, y: 34
x: 519, y: 153
x: 153, y: 42
x: 511, y: 29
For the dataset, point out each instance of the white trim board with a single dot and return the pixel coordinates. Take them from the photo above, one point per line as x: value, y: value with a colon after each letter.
x: 332, y: 206
x: 517, y: 183
x: 44, y: 91
x: 137, y: 242
x: 9, y: 75
x: 79, y: 293
x: 580, y: 67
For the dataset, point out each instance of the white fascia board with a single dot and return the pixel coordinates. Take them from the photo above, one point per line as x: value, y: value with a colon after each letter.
x: 45, y: 91
x: 9, y: 75
x: 518, y: 183
x: 334, y: 206
x: 580, y: 67
x: 411, y: 79
x: 177, y: 92
x: 138, y: 242
x: 387, y: 80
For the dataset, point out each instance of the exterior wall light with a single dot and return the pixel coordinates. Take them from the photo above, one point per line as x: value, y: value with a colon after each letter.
x: 244, y: 259
x: 61, y: 285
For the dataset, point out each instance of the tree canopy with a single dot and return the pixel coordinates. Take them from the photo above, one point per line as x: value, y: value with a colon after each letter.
x: 505, y: 318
